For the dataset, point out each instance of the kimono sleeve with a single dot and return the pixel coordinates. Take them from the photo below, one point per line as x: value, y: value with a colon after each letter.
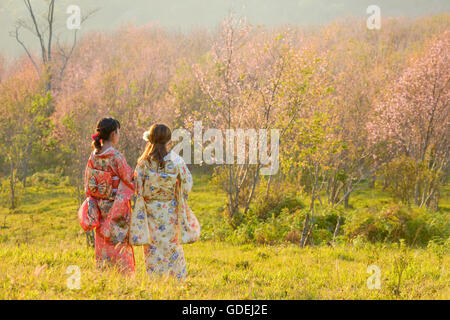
x: 139, y: 181
x: 86, y: 179
x: 89, y: 214
x: 139, y: 230
x: 85, y: 182
x: 185, y: 177
x: 123, y: 170
x: 188, y: 225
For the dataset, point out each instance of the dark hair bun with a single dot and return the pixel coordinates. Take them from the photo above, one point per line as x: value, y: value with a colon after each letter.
x: 105, y: 127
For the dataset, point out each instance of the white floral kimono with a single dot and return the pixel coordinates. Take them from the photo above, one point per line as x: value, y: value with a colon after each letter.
x: 161, y: 219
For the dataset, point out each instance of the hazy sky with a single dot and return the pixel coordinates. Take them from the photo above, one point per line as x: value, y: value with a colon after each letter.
x: 186, y: 14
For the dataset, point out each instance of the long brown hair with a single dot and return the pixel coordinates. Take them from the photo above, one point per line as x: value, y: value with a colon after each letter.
x: 104, y: 128
x: 156, y: 148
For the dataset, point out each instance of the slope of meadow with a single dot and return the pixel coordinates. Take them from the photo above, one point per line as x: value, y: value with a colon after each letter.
x: 40, y: 240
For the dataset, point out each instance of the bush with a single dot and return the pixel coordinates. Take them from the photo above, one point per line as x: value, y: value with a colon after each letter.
x: 384, y: 222
x: 285, y: 226
x: 279, y: 218
x: 277, y: 228
x: 49, y: 178
x: 274, y: 204
x: 407, y: 180
x: 395, y: 222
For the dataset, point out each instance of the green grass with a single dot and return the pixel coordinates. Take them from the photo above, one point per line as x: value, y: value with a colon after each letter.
x: 40, y: 240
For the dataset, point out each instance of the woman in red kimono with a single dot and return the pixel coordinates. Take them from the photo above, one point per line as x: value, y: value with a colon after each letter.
x: 109, y: 188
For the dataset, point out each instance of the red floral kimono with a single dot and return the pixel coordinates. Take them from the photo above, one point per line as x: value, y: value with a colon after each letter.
x: 109, y: 188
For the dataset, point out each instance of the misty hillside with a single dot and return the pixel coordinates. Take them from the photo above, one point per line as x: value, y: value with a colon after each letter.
x: 187, y: 14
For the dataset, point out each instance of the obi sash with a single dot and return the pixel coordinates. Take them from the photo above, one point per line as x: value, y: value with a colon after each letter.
x: 101, y: 184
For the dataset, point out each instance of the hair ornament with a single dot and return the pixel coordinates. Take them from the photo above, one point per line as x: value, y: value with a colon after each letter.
x: 146, y: 136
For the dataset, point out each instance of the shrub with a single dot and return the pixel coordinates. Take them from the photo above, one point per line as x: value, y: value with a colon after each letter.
x: 265, y: 208
x: 395, y: 222
x: 407, y: 180
x: 48, y: 178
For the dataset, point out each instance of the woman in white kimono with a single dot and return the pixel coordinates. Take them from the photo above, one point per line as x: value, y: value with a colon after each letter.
x: 161, y: 219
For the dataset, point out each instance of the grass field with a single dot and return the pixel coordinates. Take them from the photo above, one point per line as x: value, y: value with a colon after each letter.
x: 41, y: 239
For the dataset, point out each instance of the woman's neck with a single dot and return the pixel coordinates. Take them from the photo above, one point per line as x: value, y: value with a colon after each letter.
x: 105, y: 146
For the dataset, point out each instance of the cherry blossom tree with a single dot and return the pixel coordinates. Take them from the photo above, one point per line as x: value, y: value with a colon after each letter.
x: 413, y: 117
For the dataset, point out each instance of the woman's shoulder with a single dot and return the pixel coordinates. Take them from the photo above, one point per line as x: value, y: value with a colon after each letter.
x: 107, y: 153
x: 117, y: 159
x: 174, y: 158
x: 142, y: 165
x: 116, y: 154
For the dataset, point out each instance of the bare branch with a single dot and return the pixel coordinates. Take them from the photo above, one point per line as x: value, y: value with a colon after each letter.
x: 67, y: 55
x: 51, y: 10
x: 36, y: 27
x: 16, y: 35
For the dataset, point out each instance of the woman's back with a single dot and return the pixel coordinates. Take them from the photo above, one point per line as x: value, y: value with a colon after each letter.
x: 160, y: 183
x: 157, y: 221
x: 109, y: 188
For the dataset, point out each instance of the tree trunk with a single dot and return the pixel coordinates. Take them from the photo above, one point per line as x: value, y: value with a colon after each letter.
x: 347, y: 191
x: 304, y: 231
x: 12, y: 187
x: 372, y: 181
x: 268, y: 187
x: 250, y: 198
x: 25, y: 173
x: 25, y: 162
x: 346, y: 200
x: 306, y: 225
x: 338, y: 227
x: 417, y: 193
